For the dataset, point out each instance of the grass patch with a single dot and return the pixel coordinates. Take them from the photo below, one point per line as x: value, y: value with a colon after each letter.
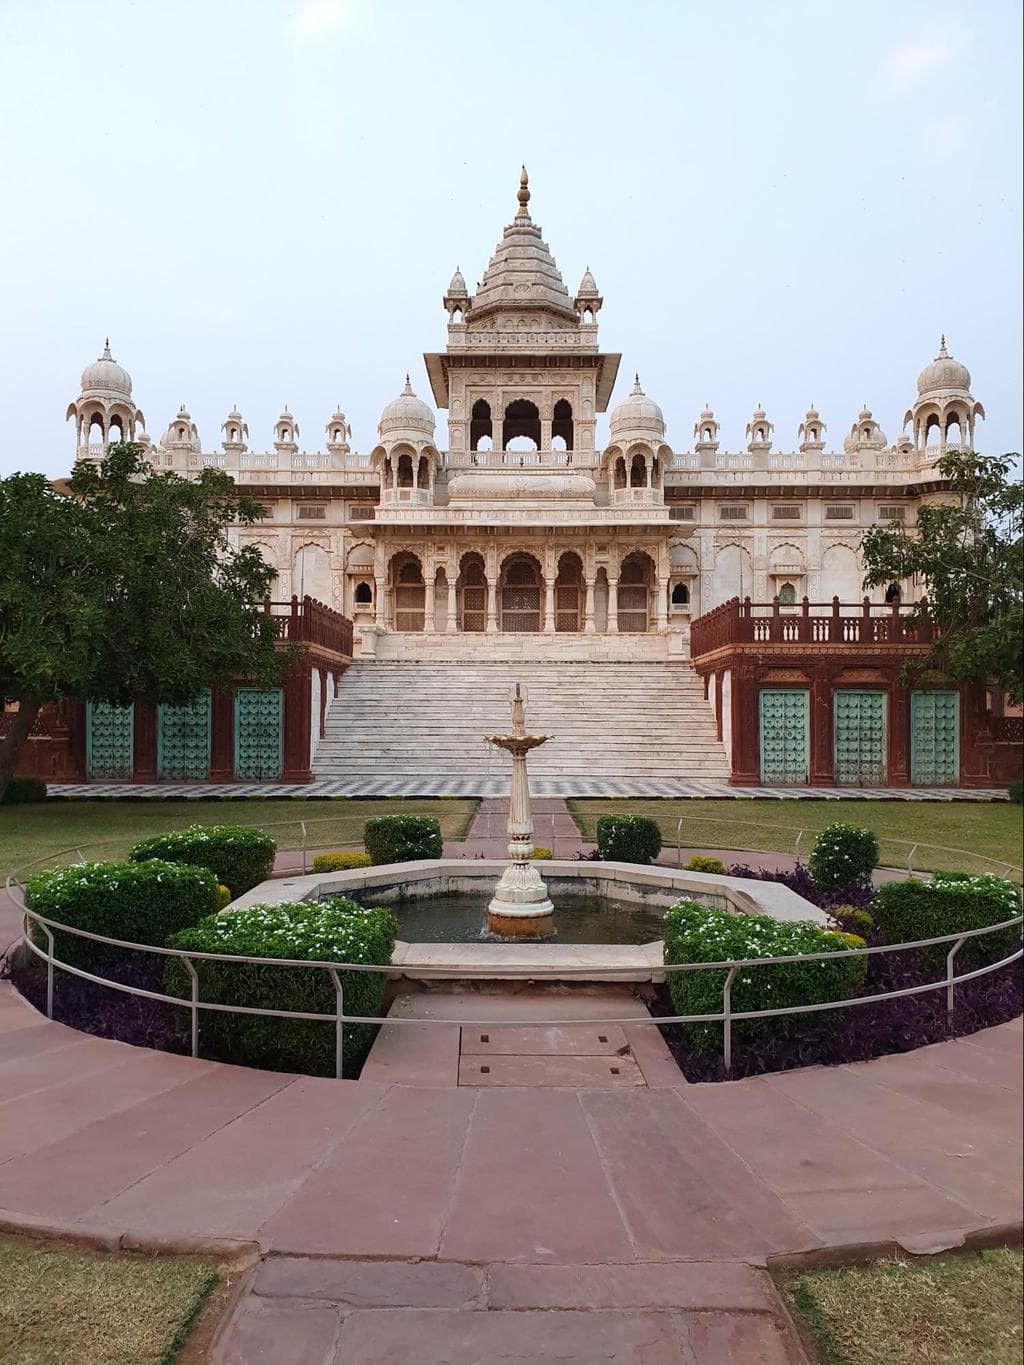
x: 965, y: 1311
x: 30, y: 832
x: 983, y: 829
x: 60, y: 1307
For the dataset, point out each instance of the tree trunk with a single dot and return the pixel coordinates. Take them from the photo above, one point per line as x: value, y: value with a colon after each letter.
x: 18, y: 731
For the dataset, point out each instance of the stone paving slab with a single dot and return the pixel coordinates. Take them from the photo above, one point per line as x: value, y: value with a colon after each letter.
x: 610, y: 1073
x: 576, y: 1040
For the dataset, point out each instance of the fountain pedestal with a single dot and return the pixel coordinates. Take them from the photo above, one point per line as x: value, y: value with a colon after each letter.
x: 520, y: 907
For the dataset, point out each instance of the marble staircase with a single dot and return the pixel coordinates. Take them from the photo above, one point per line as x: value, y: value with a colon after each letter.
x: 404, y: 719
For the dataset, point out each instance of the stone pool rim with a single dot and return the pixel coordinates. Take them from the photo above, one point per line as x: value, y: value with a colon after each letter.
x: 537, y: 961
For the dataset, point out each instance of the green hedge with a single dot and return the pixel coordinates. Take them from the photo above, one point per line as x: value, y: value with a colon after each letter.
x: 701, y: 863
x: 137, y: 902
x: 24, y: 791
x: 628, y: 838
x: 905, y: 912
x: 241, y: 858
x: 340, y: 862
x: 336, y: 930
x: 698, y: 933
x: 843, y: 858
x: 402, y: 838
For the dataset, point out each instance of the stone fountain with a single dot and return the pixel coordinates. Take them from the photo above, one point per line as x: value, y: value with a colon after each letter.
x: 520, y: 907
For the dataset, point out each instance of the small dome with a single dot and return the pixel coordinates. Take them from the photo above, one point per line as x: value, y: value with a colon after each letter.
x: 588, y: 286
x: 182, y: 430
x: 458, y: 285
x: 638, y: 413
x: 707, y: 415
x: 813, y: 415
x: 233, y: 416
x: 943, y: 373
x: 106, y: 375
x: 407, y: 415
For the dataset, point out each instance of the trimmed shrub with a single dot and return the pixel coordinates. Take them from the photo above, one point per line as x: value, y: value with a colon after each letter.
x: 224, y: 897
x: 541, y: 855
x: 1015, y: 790
x: 702, y: 864
x: 24, y: 791
x: 905, y: 912
x: 843, y: 858
x: 698, y: 933
x: 852, y: 920
x: 340, y: 862
x: 335, y: 930
x: 851, y: 940
x: 241, y: 858
x: 628, y: 838
x: 402, y: 838
x: 137, y: 902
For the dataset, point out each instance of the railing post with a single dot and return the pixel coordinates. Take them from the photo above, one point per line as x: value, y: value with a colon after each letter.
x: 949, y: 975
x: 302, y: 826
x: 194, y: 1009
x: 49, y: 970
x: 727, y: 1021
x: 339, y: 1021
x: 679, y: 842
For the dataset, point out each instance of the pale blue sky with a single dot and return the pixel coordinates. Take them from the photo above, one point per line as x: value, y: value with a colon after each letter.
x: 262, y: 203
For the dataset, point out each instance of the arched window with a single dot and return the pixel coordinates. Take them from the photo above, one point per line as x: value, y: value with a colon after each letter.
x: 521, y: 419
x: 620, y: 473
x: 787, y: 595
x: 480, y: 425
x: 405, y: 471
x: 423, y: 473
x: 706, y: 434
x: 364, y: 594
x: 892, y: 593
x: 953, y: 434
x: 637, y: 471
x: 680, y: 595
x: 561, y: 422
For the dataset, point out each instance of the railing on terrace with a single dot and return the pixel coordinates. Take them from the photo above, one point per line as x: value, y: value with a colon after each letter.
x: 806, y: 622
x: 306, y: 621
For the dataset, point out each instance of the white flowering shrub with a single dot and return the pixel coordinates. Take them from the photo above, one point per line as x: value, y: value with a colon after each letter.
x: 134, y: 902
x: 241, y: 857
x: 699, y: 933
x: 843, y: 858
x: 336, y: 930
x: 907, y: 912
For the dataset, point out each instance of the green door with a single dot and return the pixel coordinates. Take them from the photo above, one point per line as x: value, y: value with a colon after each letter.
x: 258, y: 733
x: 935, y: 739
x: 109, y: 740
x: 860, y: 739
x: 785, y: 736
x: 183, y: 741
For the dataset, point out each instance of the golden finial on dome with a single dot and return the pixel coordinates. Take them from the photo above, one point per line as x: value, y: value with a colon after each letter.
x: 524, y: 194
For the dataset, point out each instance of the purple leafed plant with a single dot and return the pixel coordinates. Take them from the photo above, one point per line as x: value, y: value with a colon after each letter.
x: 800, y: 880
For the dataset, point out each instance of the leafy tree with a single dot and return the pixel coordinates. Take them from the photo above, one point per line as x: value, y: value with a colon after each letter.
x: 966, y: 549
x: 122, y: 584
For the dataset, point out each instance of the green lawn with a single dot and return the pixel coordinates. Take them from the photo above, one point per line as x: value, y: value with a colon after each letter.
x: 965, y: 1311
x: 111, y: 827
x: 983, y: 829
x: 61, y: 1307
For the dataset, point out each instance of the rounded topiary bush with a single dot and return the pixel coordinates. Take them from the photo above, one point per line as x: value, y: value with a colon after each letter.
x: 24, y: 791
x: 909, y: 911
x: 698, y: 933
x: 699, y: 863
x: 402, y: 838
x: 843, y: 858
x: 340, y: 862
x: 628, y: 838
x: 541, y: 855
x: 241, y: 858
x: 135, y: 902
x: 335, y: 930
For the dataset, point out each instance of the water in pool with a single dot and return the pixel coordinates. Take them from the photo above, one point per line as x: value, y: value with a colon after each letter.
x: 462, y: 918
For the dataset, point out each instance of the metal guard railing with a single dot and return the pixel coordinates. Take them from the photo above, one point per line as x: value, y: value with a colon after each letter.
x: 339, y: 1018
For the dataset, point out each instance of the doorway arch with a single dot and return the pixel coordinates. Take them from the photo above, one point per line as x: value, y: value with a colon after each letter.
x: 569, y: 593
x: 520, y: 586
x: 636, y: 578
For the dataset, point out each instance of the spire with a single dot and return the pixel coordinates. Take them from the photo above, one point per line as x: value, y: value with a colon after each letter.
x: 106, y: 350
x: 523, y: 195
x: 942, y: 346
x: 636, y: 384
x: 407, y: 391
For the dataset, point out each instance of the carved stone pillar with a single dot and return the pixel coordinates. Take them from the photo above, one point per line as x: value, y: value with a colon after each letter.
x: 613, y: 605
x: 452, y: 623
x: 663, y: 604
x: 379, y: 602
x: 588, y: 608
x: 429, y: 600
x: 549, y: 605
x: 492, y: 604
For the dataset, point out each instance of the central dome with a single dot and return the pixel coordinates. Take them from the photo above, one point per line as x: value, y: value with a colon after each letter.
x: 105, y: 375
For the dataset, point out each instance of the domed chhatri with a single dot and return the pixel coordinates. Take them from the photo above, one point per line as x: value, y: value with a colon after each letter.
x: 944, y: 374
x: 637, y: 414
x: 407, y: 416
x: 520, y: 907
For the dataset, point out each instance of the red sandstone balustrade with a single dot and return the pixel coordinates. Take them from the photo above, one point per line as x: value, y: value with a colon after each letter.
x: 307, y: 621
x: 835, y: 622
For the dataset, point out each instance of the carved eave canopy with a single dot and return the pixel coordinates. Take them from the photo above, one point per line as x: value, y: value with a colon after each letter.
x: 604, y: 366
